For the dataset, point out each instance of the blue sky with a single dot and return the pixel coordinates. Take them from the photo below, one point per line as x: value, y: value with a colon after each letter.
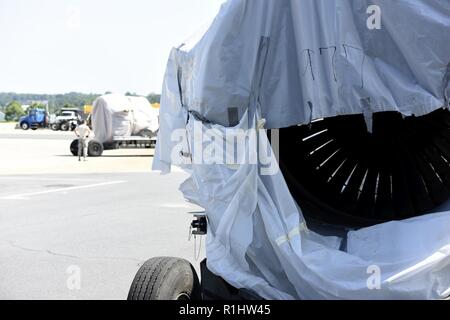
x: 58, y: 46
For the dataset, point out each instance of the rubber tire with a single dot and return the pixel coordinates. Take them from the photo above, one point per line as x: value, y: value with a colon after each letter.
x: 55, y: 127
x: 95, y: 149
x: 24, y: 126
x: 74, y: 148
x: 65, y: 127
x: 166, y: 278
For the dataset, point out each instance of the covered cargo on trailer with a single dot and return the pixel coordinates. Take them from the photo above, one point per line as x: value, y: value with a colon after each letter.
x: 116, y: 115
x: 289, y: 63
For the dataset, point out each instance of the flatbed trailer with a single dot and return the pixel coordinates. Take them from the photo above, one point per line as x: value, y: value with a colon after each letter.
x: 96, y: 148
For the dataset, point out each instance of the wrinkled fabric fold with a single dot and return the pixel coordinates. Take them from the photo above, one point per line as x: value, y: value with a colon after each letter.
x: 322, y: 60
x: 259, y: 240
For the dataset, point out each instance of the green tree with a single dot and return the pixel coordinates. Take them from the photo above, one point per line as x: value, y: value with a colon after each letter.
x: 69, y: 106
x: 13, y: 111
x: 154, y: 98
x: 35, y: 105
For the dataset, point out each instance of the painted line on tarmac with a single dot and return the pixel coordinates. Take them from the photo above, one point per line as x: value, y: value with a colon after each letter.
x: 178, y: 206
x: 24, y: 196
x: 33, y: 178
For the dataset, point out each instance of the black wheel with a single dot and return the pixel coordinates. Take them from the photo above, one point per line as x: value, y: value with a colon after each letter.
x: 340, y: 173
x: 65, y: 127
x: 54, y: 126
x: 95, y: 149
x: 74, y: 147
x: 24, y: 126
x: 166, y: 278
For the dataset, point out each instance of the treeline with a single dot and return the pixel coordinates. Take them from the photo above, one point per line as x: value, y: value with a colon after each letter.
x: 59, y: 101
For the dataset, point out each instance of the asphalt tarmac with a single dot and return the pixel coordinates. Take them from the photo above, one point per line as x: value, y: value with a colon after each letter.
x: 71, y: 230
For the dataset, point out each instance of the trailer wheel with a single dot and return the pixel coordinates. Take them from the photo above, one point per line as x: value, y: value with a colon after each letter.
x: 24, y: 126
x: 54, y: 127
x: 166, y: 278
x: 74, y: 147
x: 65, y: 127
x: 95, y: 149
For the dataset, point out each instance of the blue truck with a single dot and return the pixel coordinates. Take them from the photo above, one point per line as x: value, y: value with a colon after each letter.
x: 36, y: 118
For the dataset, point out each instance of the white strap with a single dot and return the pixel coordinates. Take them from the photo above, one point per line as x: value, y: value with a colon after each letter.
x: 292, y: 234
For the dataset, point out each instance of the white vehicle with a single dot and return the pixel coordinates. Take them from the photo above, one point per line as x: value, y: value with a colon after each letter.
x: 66, y: 120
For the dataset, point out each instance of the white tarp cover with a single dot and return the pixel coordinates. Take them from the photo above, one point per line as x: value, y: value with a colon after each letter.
x: 259, y: 240
x: 294, y: 61
x: 123, y: 116
x: 320, y: 51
